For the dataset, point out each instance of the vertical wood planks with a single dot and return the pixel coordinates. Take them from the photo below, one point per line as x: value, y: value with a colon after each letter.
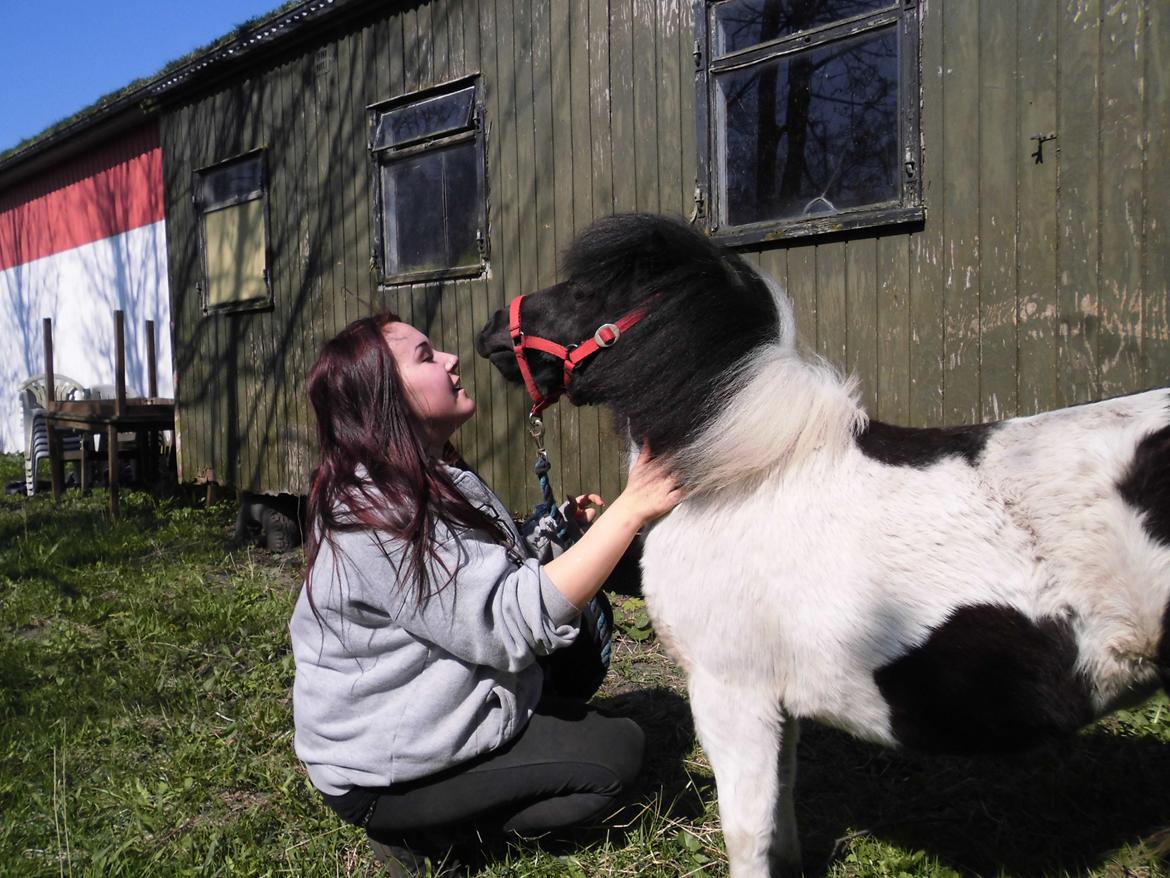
x: 999, y: 165
x: 560, y: 140
x: 1156, y: 186
x: 618, y: 91
x: 832, y: 332
x: 1037, y: 206
x: 926, y: 255
x: 601, y: 195
x: 802, y: 289
x: 1078, y: 200
x: 673, y: 127
x: 571, y: 47
x: 861, y: 307
x: 893, y: 329
x: 960, y: 107
x: 647, y: 107
x: 1122, y: 214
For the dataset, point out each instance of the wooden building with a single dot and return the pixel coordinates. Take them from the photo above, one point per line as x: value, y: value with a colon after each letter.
x: 967, y: 201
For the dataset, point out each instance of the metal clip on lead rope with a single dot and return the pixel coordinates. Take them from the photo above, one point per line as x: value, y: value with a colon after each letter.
x: 536, y: 431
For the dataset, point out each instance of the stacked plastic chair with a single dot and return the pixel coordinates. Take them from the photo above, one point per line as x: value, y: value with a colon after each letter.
x: 33, y: 396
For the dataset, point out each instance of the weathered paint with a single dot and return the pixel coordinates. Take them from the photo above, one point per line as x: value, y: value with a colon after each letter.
x: 77, y: 243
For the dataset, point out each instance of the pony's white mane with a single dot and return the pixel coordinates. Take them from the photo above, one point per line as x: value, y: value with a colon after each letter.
x: 780, y: 409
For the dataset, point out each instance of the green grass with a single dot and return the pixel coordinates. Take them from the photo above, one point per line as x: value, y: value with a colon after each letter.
x: 146, y: 729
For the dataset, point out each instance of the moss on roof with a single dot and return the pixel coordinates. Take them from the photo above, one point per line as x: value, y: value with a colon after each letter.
x: 239, y: 31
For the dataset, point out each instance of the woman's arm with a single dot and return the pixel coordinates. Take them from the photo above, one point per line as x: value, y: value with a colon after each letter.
x: 651, y: 491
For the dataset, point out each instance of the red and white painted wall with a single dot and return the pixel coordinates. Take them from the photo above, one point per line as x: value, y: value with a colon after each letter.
x: 77, y: 243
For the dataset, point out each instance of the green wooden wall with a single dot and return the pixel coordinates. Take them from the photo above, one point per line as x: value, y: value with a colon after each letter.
x: 1029, y: 286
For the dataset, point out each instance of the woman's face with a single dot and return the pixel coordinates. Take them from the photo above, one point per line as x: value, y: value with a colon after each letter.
x: 431, y: 381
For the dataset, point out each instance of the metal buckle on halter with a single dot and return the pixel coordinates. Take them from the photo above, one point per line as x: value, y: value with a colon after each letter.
x: 612, y: 327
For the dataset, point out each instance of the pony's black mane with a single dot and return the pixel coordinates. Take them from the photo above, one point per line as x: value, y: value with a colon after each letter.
x: 709, y: 310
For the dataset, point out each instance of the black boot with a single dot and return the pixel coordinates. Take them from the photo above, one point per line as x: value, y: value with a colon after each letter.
x: 402, y: 862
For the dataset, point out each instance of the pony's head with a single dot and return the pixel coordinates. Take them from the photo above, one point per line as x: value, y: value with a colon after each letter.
x: 705, y: 309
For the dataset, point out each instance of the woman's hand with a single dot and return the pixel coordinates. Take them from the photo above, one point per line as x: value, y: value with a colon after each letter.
x: 584, y: 508
x: 652, y: 489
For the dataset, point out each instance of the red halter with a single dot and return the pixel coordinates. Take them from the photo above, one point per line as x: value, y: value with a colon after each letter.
x: 571, y: 356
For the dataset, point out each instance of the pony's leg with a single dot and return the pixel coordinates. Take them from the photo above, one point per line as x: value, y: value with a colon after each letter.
x: 785, y: 855
x: 742, y: 732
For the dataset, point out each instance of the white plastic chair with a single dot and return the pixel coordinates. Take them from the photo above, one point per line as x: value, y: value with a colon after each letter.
x: 33, y: 396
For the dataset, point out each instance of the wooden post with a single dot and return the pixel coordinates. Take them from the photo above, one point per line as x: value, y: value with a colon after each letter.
x: 119, y: 362
x: 50, y: 385
x: 86, y: 475
x: 112, y: 462
x: 151, y: 365
x: 148, y: 457
x: 119, y: 409
x: 56, y: 465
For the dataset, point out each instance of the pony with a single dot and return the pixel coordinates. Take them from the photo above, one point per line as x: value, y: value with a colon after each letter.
x: 962, y: 589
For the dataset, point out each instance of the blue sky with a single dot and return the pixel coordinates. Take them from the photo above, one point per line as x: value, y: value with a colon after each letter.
x: 58, y: 56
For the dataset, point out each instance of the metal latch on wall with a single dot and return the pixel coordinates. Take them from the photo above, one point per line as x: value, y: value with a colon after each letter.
x: 698, y: 211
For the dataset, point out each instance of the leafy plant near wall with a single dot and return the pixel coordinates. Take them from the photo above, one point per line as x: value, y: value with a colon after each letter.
x: 631, y: 618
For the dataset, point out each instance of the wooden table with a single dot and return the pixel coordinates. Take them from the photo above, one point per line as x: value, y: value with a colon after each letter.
x: 146, y: 416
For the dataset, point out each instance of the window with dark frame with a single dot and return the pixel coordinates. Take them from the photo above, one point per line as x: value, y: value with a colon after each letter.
x: 430, y: 217
x: 232, y: 206
x: 809, y: 113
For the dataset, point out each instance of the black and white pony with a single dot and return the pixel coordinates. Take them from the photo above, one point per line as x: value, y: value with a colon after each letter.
x: 963, y: 589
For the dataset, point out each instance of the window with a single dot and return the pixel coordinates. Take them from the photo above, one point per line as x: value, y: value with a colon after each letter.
x: 232, y: 205
x: 430, y: 219
x: 809, y: 113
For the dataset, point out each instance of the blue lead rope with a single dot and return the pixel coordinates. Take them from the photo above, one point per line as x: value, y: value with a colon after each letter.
x: 598, y: 611
x: 549, y: 505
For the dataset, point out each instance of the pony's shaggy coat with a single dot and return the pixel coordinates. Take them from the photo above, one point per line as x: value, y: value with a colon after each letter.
x: 965, y: 589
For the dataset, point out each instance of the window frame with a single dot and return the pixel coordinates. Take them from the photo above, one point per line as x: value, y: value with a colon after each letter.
x: 903, y: 15
x: 201, y: 212
x: 383, y: 156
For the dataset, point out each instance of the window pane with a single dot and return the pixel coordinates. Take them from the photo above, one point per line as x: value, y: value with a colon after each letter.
x: 461, y: 187
x: 230, y: 183
x: 743, y: 23
x: 426, y: 118
x: 235, y: 253
x: 430, y: 202
x: 812, y: 133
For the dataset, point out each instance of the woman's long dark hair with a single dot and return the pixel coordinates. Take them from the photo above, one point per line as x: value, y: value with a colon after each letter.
x: 374, y: 472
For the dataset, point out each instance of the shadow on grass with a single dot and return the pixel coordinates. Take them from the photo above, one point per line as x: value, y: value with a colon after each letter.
x: 1059, y: 809
x: 665, y: 717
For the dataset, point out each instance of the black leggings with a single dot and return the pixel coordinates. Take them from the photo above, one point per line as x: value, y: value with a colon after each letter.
x: 568, y: 764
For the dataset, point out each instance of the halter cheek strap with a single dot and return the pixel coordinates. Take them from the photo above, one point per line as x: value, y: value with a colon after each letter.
x: 571, y: 356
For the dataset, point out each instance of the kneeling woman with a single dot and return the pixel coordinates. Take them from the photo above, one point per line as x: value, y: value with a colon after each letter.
x: 420, y: 705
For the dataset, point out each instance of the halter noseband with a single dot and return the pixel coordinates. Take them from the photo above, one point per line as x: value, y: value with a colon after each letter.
x: 571, y: 356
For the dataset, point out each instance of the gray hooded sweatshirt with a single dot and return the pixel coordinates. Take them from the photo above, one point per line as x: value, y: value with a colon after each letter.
x: 387, y: 690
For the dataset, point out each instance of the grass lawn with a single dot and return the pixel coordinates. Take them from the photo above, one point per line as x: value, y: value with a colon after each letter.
x: 146, y: 729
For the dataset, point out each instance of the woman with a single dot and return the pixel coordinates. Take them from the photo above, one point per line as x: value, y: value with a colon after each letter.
x: 419, y: 701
